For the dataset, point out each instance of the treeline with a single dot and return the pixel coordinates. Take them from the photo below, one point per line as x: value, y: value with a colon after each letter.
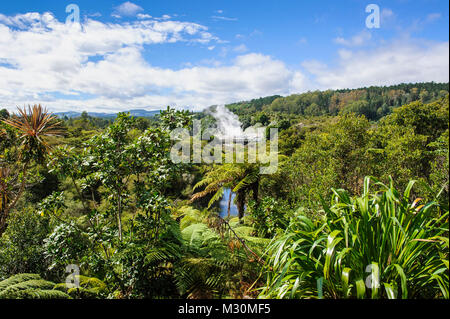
x: 409, y: 144
x: 373, y: 102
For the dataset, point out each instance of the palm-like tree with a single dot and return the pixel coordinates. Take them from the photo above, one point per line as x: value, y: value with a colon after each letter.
x: 34, y: 125
x: 240, y: 178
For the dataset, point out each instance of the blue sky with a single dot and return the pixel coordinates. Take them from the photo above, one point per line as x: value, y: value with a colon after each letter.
x: 191, y: 54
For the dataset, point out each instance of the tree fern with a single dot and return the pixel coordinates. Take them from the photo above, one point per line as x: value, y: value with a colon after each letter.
x: 89, y: 288
x: 241, y: 178
x: 37, y: 294
x: 215, y: 265
x: 29, y: 286
x: 17, y: 279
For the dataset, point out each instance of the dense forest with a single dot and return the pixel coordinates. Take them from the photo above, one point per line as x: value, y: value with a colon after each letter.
x: 358, y: 207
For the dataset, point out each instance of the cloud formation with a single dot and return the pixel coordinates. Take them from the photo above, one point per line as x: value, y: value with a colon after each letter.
x: 223, y: 18
x: 127, y: 9
x: 66, y: 67
x: 357, y: 40
x: 403, y: 61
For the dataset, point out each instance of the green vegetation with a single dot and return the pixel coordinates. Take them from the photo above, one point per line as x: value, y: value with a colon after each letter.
x: 404, y: 244
x: 373, y: 102
x: 105, y: 196
x: 29, y: 286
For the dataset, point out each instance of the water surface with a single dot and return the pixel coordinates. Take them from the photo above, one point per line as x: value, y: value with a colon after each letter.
x: 223, y: 204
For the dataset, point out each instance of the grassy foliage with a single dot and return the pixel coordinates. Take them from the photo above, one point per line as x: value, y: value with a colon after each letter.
x: 403, y: 242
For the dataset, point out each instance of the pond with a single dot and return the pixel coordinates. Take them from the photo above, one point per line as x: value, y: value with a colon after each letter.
x: 223, y: 204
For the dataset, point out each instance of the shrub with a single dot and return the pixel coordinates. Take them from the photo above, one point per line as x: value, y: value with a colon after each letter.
x: 22, y: 245
x: 269, y: 216
x: 66, y: 245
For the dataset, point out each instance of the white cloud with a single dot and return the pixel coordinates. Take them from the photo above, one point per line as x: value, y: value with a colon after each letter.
x: 125, y: 79
x: 302, y: 40
x: 95, y: 15
x: 357, y: 40
x: 52, y: 63
x: 256, y: 33
x: 23, y: 20
x: 432, y: 17
x: 143, y: 16
x: 45, y: 56
x: 388, y: 19
x: 386, y: 13
x: 345, y: 54
x: 223, y: 18
x: 240, y: 48
x: 391, y: 64
x: 127, y: 9
x: 65, y: 67
x: 418, y: 25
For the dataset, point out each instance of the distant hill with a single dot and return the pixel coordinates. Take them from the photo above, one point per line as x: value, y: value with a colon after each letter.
x: 373, y: 102
x: 135, y: 113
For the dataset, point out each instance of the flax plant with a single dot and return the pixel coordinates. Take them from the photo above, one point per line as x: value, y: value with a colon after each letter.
x: 379, y: 245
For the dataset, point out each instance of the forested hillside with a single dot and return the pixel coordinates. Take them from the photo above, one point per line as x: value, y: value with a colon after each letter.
x: 372, y: 102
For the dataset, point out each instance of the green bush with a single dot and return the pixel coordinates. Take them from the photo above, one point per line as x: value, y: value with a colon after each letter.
x: 269, y: 216
x: 66, y: 245
x: 22, y: 245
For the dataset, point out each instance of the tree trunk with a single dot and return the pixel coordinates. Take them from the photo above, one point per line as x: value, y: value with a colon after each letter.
x: 255, y: 188
x: 229, y: 203
x: 240, y: 203
x: 2, y: 221
x: 7, y: 207
x: 119, y: 217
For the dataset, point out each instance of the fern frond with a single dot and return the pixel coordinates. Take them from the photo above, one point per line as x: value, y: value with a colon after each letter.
x: 29, y: 286
x: 217, y: 196
x: 17, y: 279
